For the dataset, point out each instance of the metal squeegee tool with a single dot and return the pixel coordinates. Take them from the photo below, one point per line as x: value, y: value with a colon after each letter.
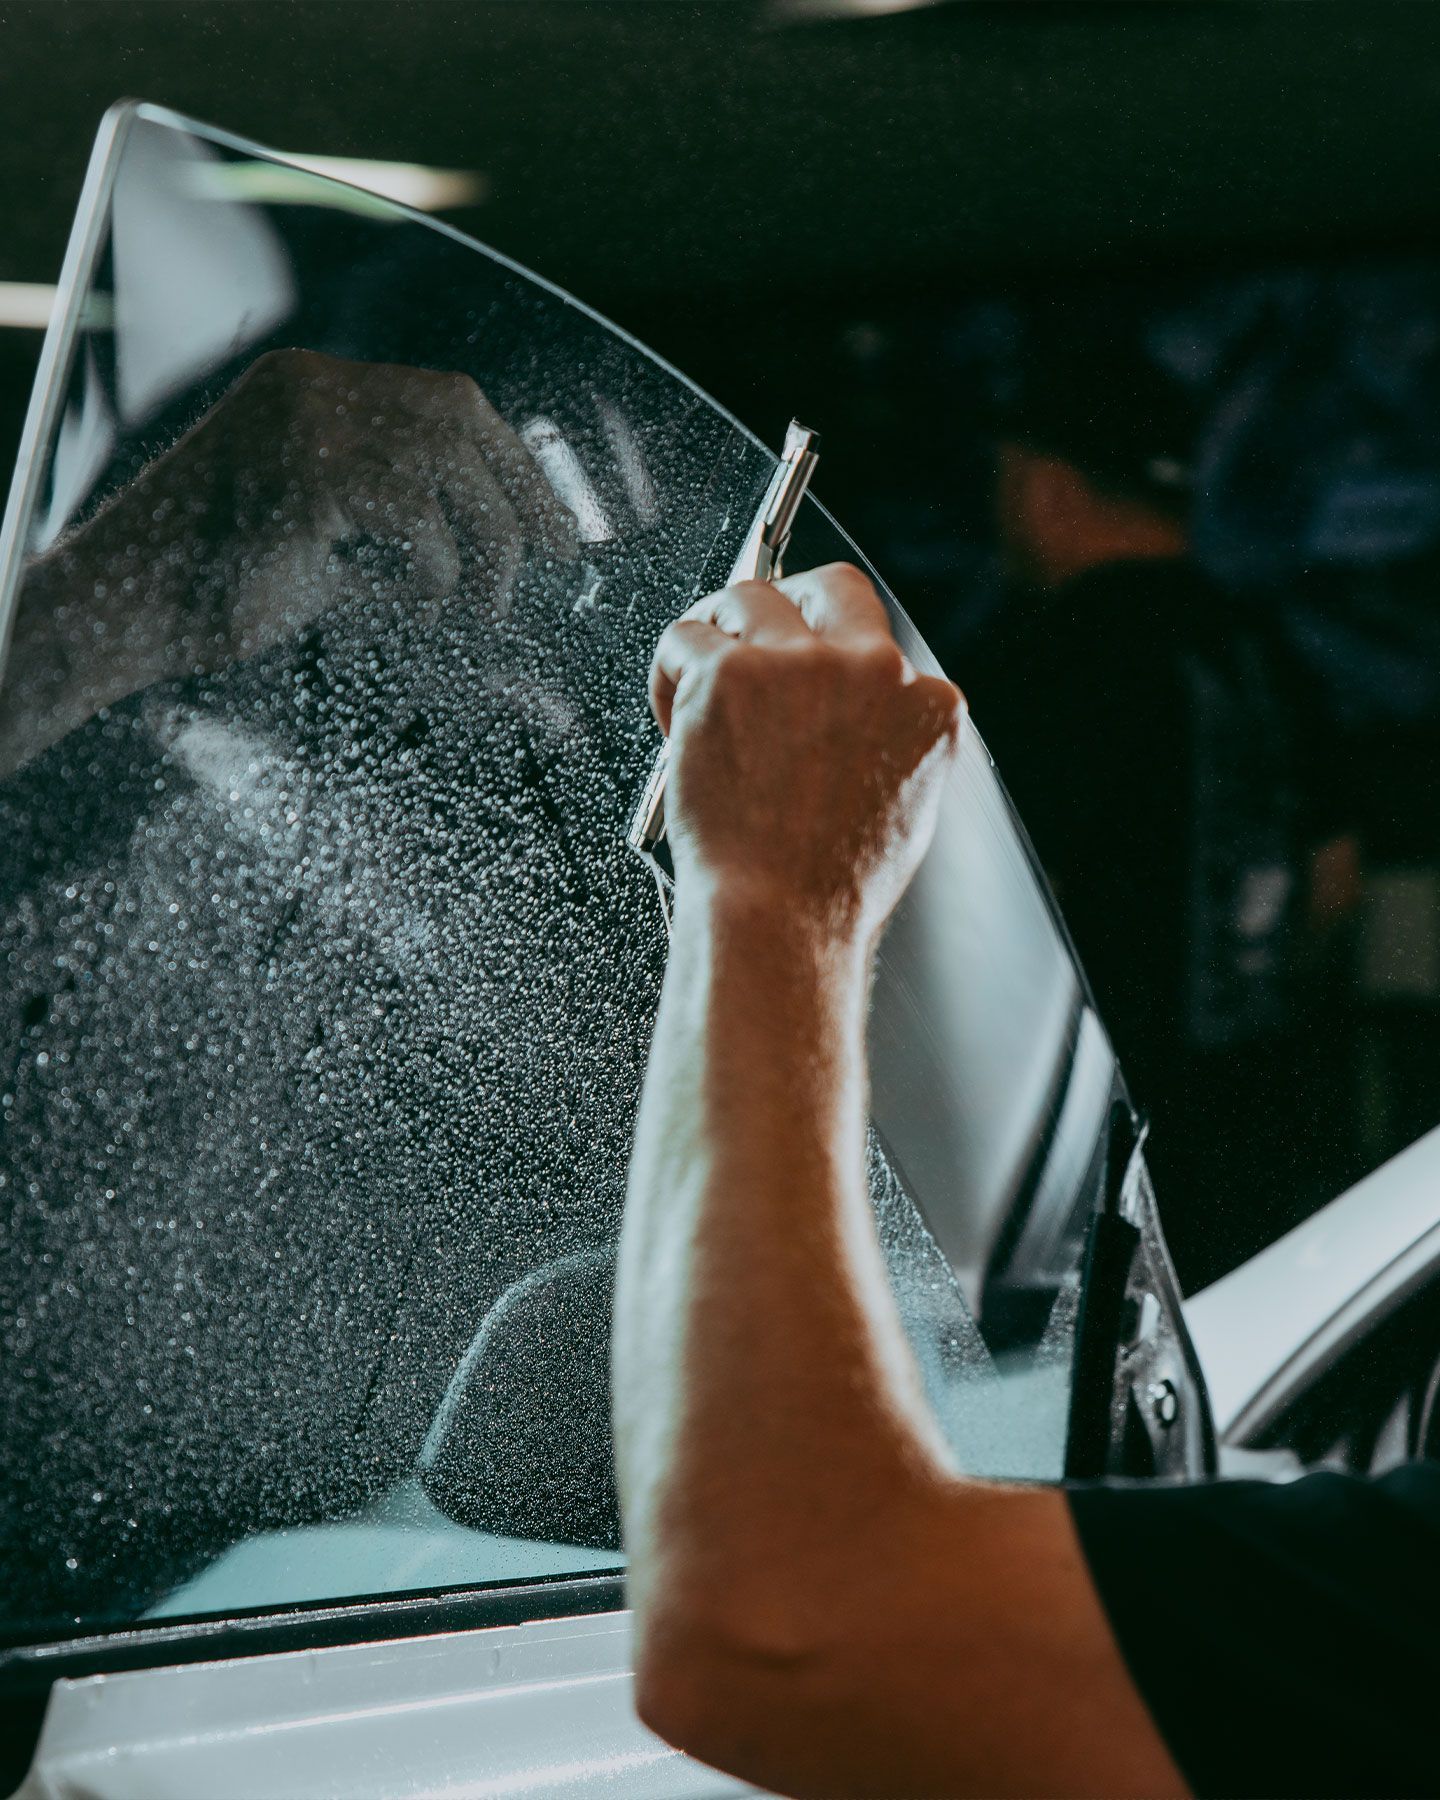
x: 759, y: 560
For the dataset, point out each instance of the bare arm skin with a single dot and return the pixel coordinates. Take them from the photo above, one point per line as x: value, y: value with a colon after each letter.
x: 824, y: 1604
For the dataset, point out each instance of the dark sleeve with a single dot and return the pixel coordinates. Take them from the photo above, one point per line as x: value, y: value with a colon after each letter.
x: 1285, y: 1637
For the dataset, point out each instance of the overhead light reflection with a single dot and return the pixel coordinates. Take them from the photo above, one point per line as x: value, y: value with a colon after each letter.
x: 370, y: 187
x: 566, y: 474
x: 27, y: 305
x: 797, y: 12
x: 411, y: 184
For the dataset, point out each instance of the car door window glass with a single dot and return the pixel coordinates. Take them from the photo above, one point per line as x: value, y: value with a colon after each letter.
x: 336, y: 565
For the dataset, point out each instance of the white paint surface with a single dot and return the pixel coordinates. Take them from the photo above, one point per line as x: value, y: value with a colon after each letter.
x: 540, y: 1710
x: 1252, y: 1324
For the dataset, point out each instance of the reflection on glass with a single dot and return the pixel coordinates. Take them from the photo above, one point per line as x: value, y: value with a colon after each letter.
x: 335, y: 570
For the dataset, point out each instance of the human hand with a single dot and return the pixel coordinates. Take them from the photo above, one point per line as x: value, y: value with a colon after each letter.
x: 807, y: 756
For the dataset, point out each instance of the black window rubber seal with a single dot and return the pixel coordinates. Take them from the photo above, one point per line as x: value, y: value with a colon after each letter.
x: 29, y: 1669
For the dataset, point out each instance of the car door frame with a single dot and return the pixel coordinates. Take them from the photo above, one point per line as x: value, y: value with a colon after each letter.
x: 1270, y: 1330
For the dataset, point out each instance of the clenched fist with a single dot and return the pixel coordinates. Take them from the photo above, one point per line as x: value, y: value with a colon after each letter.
x: 806, y: 754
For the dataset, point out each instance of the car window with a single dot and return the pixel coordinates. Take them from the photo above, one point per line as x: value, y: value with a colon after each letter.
x: 335, y: 561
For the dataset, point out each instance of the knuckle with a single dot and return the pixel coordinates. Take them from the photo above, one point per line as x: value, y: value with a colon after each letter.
x: 726, y: 610
x: 738, y: 601
x: 846, y: 575
x: 704, y: 607
x: 670, y: 641
x: 942, y: 704
x: 882, y: 662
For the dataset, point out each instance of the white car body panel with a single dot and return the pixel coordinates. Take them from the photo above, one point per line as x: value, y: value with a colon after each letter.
x: 537, y: 1710
x: 1264, y: 1332
x: 545, y: 1709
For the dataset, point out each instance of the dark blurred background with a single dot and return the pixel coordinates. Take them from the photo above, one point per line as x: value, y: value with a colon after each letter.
x: 1122, y: 326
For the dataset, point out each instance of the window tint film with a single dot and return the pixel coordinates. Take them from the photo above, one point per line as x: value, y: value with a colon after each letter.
x: 334, y: 566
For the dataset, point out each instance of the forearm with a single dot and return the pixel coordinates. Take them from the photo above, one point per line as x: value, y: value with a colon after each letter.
x: 824, y: 1606
x: 767, y: 1401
